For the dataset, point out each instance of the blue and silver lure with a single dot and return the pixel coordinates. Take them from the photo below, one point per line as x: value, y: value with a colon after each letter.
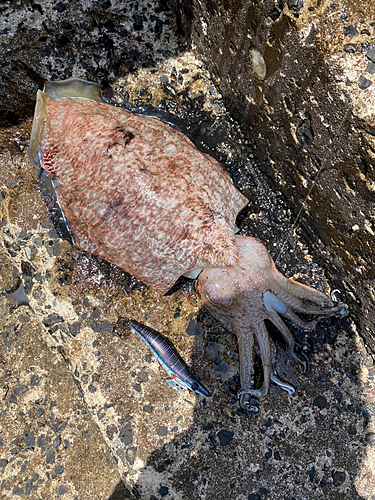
x: 168, y: 357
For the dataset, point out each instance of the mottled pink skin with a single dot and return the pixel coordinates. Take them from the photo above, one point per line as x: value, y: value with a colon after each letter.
x: 138, y: 193
x: 235, y: 297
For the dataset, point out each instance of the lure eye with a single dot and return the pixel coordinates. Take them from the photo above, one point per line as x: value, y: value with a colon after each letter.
x: 194, y: 386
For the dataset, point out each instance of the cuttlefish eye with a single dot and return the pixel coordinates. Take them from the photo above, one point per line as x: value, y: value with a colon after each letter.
x: 218, y: 294
x: 219, y: 300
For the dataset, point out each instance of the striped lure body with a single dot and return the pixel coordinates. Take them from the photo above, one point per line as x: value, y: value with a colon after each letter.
x: 170, y: 360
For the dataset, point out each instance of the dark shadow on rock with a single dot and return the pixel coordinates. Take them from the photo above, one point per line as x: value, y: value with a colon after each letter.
x: 121, y: 493
x: 312, y: 443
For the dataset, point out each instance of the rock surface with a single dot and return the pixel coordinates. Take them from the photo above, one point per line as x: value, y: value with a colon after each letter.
x: 299, y: 76
x: 93, y: 40
x: 85, y: 405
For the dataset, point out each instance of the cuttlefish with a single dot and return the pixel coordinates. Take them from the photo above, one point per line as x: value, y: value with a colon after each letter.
x: 138, y: 193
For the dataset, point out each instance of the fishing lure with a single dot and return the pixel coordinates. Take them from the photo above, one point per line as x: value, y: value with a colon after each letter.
x: 168, y: 357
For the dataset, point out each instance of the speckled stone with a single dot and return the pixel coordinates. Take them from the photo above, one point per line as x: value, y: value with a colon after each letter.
x: 207, y: 449
x: 364, y: 83
x: 370, y: 54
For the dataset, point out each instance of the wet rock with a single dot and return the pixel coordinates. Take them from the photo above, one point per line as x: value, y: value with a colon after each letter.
x: 28, y: 417
x: 163, y: 443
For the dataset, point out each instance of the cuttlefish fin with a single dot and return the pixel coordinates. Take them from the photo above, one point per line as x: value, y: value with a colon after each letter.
x: 40, y: 118
x: 72, y: 88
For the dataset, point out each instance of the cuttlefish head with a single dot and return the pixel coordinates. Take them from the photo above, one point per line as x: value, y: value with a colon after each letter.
x: 242, y: 298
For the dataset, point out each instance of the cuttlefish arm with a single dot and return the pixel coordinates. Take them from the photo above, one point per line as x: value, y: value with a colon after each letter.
x: 256, y: 291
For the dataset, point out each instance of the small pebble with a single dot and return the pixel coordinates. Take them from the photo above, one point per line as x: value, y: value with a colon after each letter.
x: 20, y: 389
x: 162, y: 430
x: 350, y: 31
x: 59, y: 469
x: 126, y: 434
x: 370, y: 54
x: 225, y: 437
x: 321, y: 402
x: 370, y: 68
x: 130, y: 454
x: 61, y: 490
x: 364, y: 83
x: 338, y: 478
x: 56, y: 442
x: 50, y: 457
x: 163, y: 491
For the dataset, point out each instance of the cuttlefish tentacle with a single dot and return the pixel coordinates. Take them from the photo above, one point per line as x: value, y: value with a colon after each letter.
x: 267, y: 351
x: 288, y: 337
x: 277, y: 303
x: 284, y: 385
x: 245, y: 349
x: 291, y: 306
x: 245, y: 336
x: 298, y: 291
x: 293, y: 294
x: 273, y: 374
x: 256, y: 291
x: 305, y: 325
